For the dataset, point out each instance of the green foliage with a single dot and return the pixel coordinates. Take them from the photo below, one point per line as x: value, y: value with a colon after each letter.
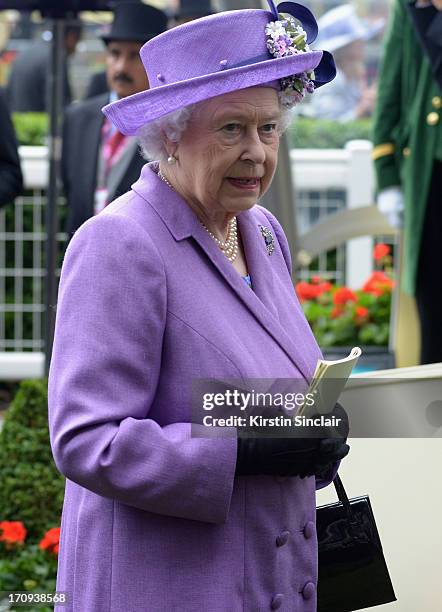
x: 306, y: 133
x: 336, y: 332
x: 31, y: 488
x: 28, y: 568
x: 362, y: 320
x: 31, y: 128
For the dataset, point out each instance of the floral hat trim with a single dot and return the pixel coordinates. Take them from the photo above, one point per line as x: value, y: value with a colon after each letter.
x: 286, y: 37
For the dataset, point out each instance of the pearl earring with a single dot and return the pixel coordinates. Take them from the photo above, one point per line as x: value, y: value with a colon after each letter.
x: 171, y: 160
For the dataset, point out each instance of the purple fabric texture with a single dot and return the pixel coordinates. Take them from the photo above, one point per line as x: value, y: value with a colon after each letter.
x: 154, y: 519
x: 212, y: 56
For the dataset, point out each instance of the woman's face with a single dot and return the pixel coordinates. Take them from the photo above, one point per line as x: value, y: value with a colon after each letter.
x: 227, y: 156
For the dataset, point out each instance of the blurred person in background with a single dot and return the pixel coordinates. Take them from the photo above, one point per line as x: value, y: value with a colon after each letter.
x: 11, y: 182
x: 188, y: 10
x: 349, y: 96
x: 28, y: 88
x: 98, y: 162
x: 407, y: 154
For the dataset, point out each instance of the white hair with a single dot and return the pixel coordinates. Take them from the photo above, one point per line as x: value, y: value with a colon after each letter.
x: 173, y: 125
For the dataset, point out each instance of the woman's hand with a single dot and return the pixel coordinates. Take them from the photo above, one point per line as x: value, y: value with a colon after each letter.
x: 296, y: 456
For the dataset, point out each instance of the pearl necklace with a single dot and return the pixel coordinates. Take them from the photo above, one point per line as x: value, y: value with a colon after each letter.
x: 230, y: 246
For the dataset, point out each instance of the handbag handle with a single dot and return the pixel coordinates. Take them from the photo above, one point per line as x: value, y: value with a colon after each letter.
x: 343, y: 497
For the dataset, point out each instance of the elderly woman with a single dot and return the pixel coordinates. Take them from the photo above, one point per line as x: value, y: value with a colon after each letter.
x: 186, y: 277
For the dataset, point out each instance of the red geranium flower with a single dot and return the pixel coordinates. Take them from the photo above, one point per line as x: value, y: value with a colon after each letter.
x: 344, y: 295
x: 51, y: 540
x: 361, y: 315
x: 380, y: 251
x: 307, y: 291
x: 361, y: 312
x: 325, y: 286
x: 12, y: 532
x: 378, y: 283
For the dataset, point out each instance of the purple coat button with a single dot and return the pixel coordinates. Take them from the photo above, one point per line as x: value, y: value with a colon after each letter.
x: 276, y: 602
x: 309, y: 590
x: 309, y: 530
x: 283, y: 538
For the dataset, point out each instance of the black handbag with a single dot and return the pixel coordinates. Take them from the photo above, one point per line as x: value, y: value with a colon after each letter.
x: 352, y: 572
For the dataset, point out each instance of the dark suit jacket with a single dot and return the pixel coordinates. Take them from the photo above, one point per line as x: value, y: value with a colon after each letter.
x: 28, y: 85
x: 10, y: 173
x: 97, y: 85
x: 81, y: 143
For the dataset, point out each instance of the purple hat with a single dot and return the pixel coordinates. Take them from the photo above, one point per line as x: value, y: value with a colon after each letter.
x: 225, y: 52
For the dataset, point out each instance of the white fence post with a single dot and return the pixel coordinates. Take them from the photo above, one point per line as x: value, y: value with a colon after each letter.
x: 360, y: 189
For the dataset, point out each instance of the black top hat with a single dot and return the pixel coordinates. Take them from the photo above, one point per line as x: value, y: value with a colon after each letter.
x: 135, y: 21
x: 194, y: 8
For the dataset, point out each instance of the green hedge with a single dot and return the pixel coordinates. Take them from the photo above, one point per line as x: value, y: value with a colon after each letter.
x: 325, y: 134
x: 31, y: 487
x: 28, y: 568
x: 31, y: 128
x: 31, y: 491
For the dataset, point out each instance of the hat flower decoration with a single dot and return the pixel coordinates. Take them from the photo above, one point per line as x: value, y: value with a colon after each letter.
x: 285, y: 37
x: 224, y: 52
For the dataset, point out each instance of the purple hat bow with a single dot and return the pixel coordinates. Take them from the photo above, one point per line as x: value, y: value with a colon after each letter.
x: 326, y: 69
x: 299, y: 12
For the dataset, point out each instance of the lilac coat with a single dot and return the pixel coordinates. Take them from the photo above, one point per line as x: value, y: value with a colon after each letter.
x: 154, y: 519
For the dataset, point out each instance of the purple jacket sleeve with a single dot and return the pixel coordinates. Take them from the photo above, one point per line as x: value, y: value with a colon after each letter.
x: 105, y: 367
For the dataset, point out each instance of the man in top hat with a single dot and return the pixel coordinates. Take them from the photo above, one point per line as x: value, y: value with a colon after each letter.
x: 188, y: 10
x: 98, y: 162
x: 407, y: 139
x: 349, y: 96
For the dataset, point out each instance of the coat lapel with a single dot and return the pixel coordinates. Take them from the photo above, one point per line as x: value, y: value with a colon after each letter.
x: 269, y: 288
x: 258, y: 260
x: 184, y: 224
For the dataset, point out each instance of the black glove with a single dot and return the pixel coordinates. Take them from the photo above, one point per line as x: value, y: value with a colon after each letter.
x: 296, y: 456
x: 335, y: 448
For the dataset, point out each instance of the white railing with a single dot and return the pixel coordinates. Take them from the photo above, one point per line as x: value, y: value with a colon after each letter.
x: 350, y: 170
x: 325, y: 181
